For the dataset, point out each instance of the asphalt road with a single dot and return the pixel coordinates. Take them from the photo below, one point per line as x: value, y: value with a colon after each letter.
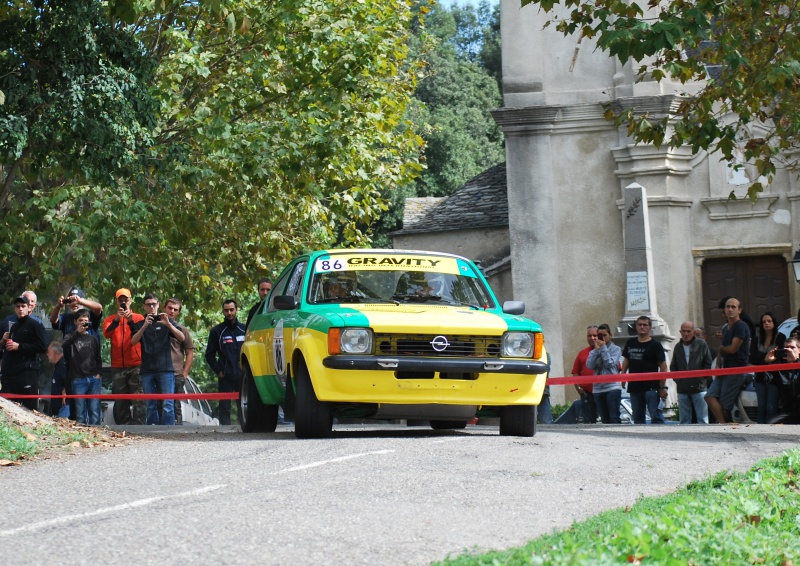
x: 370, y: 495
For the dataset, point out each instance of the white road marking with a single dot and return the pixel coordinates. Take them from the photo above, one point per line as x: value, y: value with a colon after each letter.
x: 106, y: 510
x: 332, y: 461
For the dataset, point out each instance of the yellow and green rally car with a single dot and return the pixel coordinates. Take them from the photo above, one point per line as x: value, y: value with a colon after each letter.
x: 389, y: 334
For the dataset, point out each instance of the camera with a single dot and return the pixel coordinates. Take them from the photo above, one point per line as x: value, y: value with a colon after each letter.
x: 123, y: 306
x: 68, y: 300
x: 780, y: 354
x: 155, y: 318
x: 85, y: 325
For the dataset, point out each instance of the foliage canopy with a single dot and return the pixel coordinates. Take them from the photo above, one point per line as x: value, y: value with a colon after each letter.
x: 745, y: 56
x: 192, y: 147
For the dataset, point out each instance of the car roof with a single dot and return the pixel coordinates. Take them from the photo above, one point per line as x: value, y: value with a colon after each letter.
x: 383, y: 251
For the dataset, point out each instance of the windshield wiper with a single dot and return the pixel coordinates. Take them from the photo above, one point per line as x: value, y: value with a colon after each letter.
x: 460, y: 304
x: 417, y: 298
x: 379, y: 300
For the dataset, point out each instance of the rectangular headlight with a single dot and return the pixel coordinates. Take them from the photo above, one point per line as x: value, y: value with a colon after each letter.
x: 356, y: 341
x: 518, y: 344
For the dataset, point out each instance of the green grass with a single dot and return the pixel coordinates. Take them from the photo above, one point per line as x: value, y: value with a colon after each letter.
x: 19, y: 443
x: 730, y: 518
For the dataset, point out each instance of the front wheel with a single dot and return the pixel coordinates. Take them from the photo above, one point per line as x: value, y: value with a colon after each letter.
x: 312, y: 417
x: 254, y: 414
x: 518, y: 420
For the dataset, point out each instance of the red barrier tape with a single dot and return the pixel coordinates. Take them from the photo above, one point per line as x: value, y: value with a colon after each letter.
x: 139, y: 396
x: 657, y: 375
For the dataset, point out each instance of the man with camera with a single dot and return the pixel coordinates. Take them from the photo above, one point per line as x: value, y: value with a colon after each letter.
x: 786, y: 380
x: 84, y: 368
x: 157, y: 371
x: 126, y: 359
x: 22, y: 342
x: 75, y: 300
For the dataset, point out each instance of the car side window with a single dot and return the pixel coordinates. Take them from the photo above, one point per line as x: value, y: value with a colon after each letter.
x: 295, y: 286
x: 277, y: 289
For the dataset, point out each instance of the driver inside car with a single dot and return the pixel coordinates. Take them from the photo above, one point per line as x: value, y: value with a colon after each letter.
x: 339, y: 286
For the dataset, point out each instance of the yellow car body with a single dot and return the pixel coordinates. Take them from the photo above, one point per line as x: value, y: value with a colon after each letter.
x: 389, y: 334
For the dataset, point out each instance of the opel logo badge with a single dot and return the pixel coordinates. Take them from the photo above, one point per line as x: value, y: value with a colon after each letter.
x: 440, y: 343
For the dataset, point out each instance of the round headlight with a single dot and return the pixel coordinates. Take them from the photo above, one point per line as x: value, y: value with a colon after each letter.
x: 518, y: 344
x: 356, y: 341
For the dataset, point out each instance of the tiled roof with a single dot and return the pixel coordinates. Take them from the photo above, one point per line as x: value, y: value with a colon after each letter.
x: 481, y: 203
x: 417, y: 207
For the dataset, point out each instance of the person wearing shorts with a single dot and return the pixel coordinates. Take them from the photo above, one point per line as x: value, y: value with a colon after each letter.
x: 734, y: 352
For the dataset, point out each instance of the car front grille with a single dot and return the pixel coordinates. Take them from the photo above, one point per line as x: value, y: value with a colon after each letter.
x: 433, y: 345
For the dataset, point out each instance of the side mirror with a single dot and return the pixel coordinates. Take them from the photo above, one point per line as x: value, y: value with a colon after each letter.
x: 285, y: 302
x: 514, y: 307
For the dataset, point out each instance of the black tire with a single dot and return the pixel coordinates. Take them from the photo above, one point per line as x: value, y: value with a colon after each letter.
x: 254, y: 414
x: 518, y: 420
x: 447, y: 425
x: 290, y: 401
x: 312, y: 417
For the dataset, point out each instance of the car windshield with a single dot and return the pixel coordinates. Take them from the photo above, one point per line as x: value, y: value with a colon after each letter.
x: 397, y: 279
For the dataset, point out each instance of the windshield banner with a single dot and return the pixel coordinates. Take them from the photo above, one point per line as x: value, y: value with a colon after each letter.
x: 392, y: 262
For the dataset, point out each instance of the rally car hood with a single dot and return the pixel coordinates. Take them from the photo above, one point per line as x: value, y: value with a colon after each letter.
x: 439, y: 319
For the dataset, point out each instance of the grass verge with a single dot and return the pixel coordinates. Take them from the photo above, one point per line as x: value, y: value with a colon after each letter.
x: 730, y: 518
x: 22, y: 442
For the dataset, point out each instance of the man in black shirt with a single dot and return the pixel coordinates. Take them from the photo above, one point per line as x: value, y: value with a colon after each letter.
x: 734, y: 352
x: 84, y: 368
x: 644, y: 355
x: 21, y: 344
x: 157, y: 372
x: 58, y: 385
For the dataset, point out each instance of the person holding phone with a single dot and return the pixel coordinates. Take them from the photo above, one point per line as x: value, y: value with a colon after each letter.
x: 157, y: 372
x: 604, y: 359
x: 126, y: 359
x: 784, y: 381
x: 84, y: 368
x: 74, y: 301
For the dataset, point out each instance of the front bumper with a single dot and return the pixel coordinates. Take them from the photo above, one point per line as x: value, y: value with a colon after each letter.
x: 443, y: 364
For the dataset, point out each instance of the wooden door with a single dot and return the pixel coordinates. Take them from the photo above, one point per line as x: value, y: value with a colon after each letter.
x: 759, y: 282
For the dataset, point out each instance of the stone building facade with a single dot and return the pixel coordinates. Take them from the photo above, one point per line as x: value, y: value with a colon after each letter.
x: 568, y: 169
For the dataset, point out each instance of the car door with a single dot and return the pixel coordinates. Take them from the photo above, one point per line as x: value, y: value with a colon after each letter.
x: 281, y: 323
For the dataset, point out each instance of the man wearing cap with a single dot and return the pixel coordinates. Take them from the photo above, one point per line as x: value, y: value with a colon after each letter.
x: 12, y: 318
x: 21, y: 345
x: 126, y: 359
x: 74, y: 300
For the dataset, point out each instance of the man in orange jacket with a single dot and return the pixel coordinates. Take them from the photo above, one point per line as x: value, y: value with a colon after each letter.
x: 125, y: 359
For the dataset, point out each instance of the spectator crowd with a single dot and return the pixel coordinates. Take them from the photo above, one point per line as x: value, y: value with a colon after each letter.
x: 153, y: 353
x: 700, y: 399
x: 150, y: 353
